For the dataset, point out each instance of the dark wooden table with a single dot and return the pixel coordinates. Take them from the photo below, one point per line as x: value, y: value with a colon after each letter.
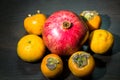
x: 12, y: 14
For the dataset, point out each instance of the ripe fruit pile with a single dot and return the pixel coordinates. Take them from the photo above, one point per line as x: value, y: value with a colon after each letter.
x: 64, y: 33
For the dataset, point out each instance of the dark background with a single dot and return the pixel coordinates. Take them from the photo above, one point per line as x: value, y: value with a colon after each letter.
x: 12, y: 14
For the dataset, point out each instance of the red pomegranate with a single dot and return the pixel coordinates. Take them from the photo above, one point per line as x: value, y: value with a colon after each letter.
x: 64, y: 32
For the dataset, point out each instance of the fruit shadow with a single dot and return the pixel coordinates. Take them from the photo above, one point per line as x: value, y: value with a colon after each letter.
x: 99, y: 71
x: 116, y: 45
x: 100, y: 67
x: 105, y: 21
x: 100, y: 63
x: 26, y: 68
x: 66, y: 72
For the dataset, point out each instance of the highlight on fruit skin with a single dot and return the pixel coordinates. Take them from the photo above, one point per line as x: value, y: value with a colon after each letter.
x: 92, y: 19
x: 81, y: 63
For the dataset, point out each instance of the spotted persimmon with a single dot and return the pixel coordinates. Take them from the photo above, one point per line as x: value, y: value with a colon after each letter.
x: 81, y: 63
x: 51, y: 65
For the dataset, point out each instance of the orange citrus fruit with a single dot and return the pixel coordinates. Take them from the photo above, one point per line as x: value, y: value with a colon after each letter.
x: 101, y: 41
x: 33, y: 24
x: 30, y: 48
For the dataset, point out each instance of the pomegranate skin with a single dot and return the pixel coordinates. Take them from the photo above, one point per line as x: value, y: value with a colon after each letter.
x: 63, y: 40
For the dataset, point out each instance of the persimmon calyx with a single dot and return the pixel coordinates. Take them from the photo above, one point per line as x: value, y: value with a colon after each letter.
x: 89, y: 14
x: 81, y: 60
x: 52, y: 63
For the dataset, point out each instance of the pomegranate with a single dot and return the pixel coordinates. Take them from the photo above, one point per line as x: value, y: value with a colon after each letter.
x: 64, y: 32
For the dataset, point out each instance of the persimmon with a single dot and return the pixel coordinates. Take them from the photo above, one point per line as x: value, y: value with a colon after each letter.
x: 33, y: 24
x: 92, y: 19
x: 51, y: 65
x: 81, y: 64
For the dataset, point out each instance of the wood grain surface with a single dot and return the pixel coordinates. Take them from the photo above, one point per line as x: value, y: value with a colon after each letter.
x: 12, y: 14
